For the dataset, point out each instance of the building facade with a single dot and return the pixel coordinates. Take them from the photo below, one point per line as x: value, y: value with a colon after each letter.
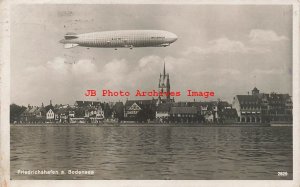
x: 162, y: 113
x: 183, y: 114
x: 263, y: 107
x: 137, y: 110
x: 248, y: 107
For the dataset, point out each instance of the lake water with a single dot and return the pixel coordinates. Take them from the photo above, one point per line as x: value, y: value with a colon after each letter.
x: 153, y: 152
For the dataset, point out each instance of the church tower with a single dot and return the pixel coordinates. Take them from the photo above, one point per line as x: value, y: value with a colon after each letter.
x: 255, y: 91
x: 164, y: 86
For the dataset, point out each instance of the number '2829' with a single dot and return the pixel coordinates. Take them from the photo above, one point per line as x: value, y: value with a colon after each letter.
x: 282, y: 173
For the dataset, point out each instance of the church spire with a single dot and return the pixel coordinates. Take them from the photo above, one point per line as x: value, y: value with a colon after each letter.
x: 164, y: 68
x: 164, y: 86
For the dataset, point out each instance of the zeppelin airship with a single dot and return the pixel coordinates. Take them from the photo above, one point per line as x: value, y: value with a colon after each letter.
x: 120, y: 39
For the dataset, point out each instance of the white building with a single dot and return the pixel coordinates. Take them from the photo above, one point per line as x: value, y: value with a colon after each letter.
x: 50, y: 115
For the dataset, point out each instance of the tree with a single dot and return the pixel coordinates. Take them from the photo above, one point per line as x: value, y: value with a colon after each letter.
x: 79, y: 112
x: 15, y: 112
x: 119, y: 111
x: 141, y: 116
x: 145, y: 114
x: 107, y: 110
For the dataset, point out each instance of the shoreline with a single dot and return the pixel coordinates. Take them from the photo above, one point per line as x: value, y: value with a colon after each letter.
x: 142, y: 125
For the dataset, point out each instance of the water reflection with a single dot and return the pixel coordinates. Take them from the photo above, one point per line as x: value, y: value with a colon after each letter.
x: 153, y: 152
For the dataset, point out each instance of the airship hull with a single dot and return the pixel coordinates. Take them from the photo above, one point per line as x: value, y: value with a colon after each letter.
x: 120, y: 39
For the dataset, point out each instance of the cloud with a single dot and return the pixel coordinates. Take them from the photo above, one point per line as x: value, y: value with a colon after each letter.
x: 148, y: 60
x: 57, y: 64
x: 82, y: 67
x: 113, y: 74
x: 259, y: 36
x: 250, y: 45
x: 225, y: 46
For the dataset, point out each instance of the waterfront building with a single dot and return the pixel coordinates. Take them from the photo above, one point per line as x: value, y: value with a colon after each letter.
x: 162, y: 113
x: 183, y: 114
x: 94, y: 114
x: 209, y: 117
x: 33, y: 114
x: 63, y: 115
x: 29, y: 115
x: 205, y: 111
x: 248, y: 107
x: 71, y: 114
x: 208, y: 111
x: 228, y: 115
x: 263, y: 107
x: 131, y: 109
x: 279, y: 107
x: 136, y: 109
x: 40, y: 114
x: 50, y: 115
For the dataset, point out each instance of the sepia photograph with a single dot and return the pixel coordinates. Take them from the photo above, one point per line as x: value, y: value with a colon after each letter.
x: 152, y: 91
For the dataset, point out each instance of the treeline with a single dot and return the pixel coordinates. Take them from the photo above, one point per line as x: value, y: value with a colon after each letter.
x: 15, y: 112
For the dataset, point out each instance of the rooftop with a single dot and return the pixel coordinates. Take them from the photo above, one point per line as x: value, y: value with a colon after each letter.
x: 183, y: 110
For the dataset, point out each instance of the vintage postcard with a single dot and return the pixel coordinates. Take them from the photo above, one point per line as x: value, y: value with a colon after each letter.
x: 150, y: 94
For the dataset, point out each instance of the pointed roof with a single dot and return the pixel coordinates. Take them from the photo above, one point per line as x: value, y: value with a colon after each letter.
x: 247, y: 98
x: 140, y: 103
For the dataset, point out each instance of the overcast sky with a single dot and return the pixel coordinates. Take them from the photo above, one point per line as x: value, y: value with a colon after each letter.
x: 219, y: 48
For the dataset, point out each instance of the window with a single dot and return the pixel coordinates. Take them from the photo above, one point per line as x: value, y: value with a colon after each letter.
x: 157, y: 37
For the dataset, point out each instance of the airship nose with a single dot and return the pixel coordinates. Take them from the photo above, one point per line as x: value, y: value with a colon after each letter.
x: 174, y: 37
x: 171, y: 37
x: 62, y: 41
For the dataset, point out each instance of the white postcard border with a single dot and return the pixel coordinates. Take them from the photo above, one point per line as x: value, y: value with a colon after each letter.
x: 5, y: 102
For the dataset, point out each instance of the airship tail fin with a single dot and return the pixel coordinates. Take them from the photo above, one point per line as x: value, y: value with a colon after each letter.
x: 71, y: 35
x: 68, y: 46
